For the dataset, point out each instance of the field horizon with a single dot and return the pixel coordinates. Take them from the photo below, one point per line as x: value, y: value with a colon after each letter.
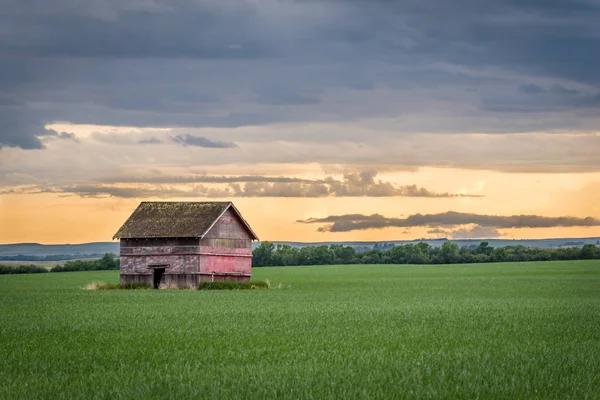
x: 26, y: 252
x: 504, y: 330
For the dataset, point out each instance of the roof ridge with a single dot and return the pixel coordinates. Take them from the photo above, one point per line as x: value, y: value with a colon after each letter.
x: 153, y: 219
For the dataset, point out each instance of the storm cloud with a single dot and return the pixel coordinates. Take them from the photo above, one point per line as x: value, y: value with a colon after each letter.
x: 208, y: 63
x: 355, y: 222
x: 200, y: 141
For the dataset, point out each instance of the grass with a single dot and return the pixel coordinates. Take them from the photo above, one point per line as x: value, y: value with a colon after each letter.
x: 493, y: 331
x: 231, y: 285
x: 215, y: 285
x: 115, y: 286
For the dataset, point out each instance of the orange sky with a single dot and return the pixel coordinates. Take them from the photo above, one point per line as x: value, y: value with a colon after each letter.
x: 60, y: 218
x: 358, y: 119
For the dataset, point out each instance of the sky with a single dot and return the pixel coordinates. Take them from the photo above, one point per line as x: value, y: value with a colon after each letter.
x: 321, y: 120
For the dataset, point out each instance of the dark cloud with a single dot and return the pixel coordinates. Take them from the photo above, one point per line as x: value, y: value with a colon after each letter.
x: 542, y: 99
x: 61, y: 135
x: 353, y: 222
x: 151, y: 140
x: 354, y: 184
x: 200, y: 63
x: 363, y: 184
x: 281, y: 95
x: 358, y: 184
x: 439, y: 232
x: 258, y: 189
x: 17, y: 131
x: 200, y: 141
x: 476, y: 232
x: 161, y: 179
x: 531, y: 88
x: 100, y: 191
x: 198, y: 29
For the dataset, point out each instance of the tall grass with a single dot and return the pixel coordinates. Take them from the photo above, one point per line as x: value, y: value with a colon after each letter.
x: 232, y: 285
x: 501, y: 331
x: 115, y: 286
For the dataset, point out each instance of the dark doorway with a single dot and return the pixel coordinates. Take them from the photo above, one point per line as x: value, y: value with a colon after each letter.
x: 158, y: 275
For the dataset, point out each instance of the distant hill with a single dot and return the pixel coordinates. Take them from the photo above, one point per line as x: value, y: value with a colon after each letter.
x: 60, y: 252
x: 56, y: 252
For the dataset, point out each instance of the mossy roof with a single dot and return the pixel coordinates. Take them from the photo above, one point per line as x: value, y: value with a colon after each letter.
x: 164, y: 219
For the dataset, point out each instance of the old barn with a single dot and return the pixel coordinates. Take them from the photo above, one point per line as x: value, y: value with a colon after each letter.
x: 183, y: 243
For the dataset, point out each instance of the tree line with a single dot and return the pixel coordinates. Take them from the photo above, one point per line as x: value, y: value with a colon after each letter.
x: 107, y: 262
x: 269, y: 254
x: 52, y: 257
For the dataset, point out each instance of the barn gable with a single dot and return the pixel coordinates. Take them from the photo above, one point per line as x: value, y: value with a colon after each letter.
x: 178, y: 220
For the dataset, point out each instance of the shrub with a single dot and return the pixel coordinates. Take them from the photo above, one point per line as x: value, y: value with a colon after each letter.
x: 115, y: 286
x: 233, y: 285
x: 130, y: 286
x: 107, y: 262
x: 21, y: 269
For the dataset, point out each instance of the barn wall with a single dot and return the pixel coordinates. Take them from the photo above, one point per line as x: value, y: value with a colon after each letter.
x: 158, y: 242
x: 224, y: 253
x: 228, y: 226
x: 226, y: 250
x: 136, y: 279
x: 181, y: 254
x: 215, y: 264
x: 177, y: 264
x: 181, y: 280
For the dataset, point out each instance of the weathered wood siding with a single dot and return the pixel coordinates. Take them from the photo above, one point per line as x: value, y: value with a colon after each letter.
x: 181, y: 280
x: 173, y: 264
x: 136, y: 279
x: 227, y: 249
x: 180, y: 256
x: 224, y: 253
x: 228, y: 226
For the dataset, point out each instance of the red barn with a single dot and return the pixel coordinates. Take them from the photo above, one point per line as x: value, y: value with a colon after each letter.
x: 183, y: 243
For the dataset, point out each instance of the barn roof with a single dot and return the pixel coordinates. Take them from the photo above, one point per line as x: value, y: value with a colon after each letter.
x: 163, y: 219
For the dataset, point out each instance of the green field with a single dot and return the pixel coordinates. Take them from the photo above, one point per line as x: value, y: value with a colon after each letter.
x: 520, y: 330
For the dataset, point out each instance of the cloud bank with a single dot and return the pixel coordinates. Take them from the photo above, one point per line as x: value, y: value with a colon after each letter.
x: 200, y: 141
x: 355, y: 222
x: 355, y: 184
x: 413, y: 66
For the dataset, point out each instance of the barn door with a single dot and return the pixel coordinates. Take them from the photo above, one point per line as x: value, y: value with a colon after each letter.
x: 158, y: 277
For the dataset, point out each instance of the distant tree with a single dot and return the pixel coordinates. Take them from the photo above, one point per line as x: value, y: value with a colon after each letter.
x: 261, y: 256
x: 107, y: 262
x: 588, y: 251
x: 450, y: 253
x: 370, y: 257
x: 484, y: 248
x: 498, y: 254
x: 267, y: 254
x: 342, y: 254
x: 322, y: 256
